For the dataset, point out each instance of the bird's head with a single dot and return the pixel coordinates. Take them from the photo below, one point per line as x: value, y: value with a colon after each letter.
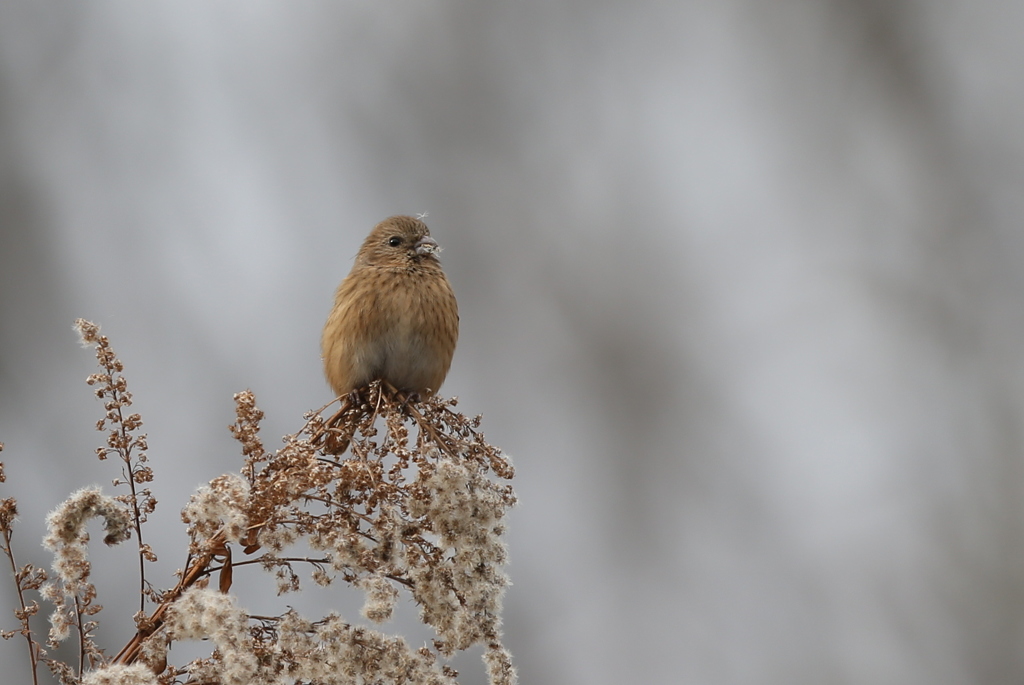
x: 398, y: 241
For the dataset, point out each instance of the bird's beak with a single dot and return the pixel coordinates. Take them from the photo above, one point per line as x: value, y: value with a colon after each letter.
x: 427, y: 245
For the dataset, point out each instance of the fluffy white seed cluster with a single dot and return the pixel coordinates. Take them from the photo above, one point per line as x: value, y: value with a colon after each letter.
x: 344, y: 547
x: 381, y: 598
x: 219, y: 505
x: 327, y: 652
x: 462, y: 598
x: 202, y: 613
x: 332, y: 652
x: 68, y: 539
x: 118, y: 674
x: 66, y: 524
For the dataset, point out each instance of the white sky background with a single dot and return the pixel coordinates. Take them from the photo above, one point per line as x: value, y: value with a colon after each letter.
x: 741, y: 288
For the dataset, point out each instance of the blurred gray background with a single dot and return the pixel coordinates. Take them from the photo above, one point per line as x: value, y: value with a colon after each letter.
x: 740, y: 284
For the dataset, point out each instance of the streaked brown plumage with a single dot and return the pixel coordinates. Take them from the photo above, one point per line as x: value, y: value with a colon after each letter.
x: 395, y: 317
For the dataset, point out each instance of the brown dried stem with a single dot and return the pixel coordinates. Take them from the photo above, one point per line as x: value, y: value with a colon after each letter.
x: 26, y: 578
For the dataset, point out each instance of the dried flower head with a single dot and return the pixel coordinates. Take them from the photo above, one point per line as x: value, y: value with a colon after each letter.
x: 66, y: 524
x: 119, y: 674
x: 71, y: 593
x: 219, y: 507
x: 201, y: 614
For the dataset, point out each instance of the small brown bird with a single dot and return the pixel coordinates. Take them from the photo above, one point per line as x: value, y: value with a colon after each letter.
x: 395, y: 317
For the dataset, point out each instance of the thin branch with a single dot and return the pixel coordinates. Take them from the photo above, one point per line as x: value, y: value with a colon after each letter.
x: 81, y: 636
x: 25, y: 612
x: 126, y: 457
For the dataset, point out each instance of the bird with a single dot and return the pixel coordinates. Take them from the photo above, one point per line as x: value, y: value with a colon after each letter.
x: 395, y: 318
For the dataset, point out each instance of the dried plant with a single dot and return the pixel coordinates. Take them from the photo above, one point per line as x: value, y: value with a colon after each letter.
x: 416, y: 507
x: 26, y: 579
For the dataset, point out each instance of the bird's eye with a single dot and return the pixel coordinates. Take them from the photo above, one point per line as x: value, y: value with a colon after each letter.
x: 394, y: 241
